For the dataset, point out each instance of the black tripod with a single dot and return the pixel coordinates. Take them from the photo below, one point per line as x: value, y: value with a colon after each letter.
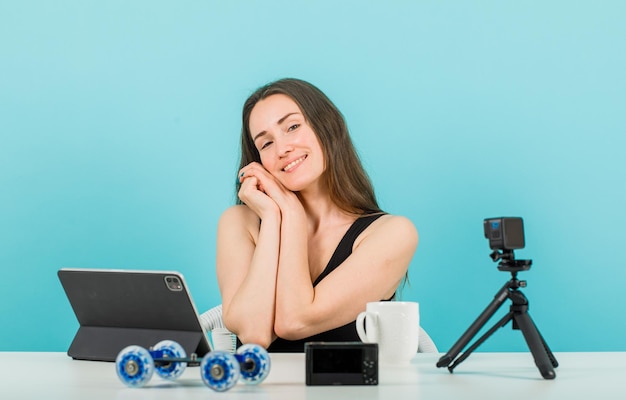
x: 544, y: 359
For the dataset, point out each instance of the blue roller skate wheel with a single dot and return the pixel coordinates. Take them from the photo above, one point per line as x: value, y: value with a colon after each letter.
x: 254, y: 362
x: 219, y: 370
x: 134, y: 366
x: 172, y: 370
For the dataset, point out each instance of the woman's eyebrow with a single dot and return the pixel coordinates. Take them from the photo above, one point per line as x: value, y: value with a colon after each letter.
x: 280, y: 121
x: 258, y: 135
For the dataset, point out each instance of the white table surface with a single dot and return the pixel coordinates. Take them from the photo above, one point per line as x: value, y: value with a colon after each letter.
x: 482, y: 376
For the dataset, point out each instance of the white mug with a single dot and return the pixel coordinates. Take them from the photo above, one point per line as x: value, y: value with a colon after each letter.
x: 394, y: 325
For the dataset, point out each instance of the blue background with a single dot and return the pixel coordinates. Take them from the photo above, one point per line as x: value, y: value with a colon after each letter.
x: 119, y: 126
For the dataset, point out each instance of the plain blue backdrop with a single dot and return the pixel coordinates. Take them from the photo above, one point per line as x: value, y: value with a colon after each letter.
x: 119, y: 125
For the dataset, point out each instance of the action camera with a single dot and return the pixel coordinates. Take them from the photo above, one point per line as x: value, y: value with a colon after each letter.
x: 504, y: 233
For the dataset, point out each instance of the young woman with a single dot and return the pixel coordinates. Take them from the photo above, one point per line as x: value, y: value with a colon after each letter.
x: 307, y: 246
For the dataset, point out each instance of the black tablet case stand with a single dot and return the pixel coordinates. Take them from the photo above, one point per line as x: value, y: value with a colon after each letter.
x: 116, y: 309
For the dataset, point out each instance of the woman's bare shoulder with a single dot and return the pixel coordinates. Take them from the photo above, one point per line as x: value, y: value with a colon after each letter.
x: 389, y: 221
x: 393, y: 227
x: 239, y: 215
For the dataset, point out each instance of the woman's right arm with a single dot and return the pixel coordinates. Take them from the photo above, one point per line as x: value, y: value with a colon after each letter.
x: 246, y: 263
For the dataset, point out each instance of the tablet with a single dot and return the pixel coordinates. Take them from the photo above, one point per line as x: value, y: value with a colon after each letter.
x: 118, y: 308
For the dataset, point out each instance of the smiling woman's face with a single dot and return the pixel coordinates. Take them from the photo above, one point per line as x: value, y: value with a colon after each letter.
x: 288, y: 147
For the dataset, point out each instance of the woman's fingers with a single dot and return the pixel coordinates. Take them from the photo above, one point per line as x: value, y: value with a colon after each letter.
x: 255, y: 175
x: 252, y: 169
x: 264, y: 180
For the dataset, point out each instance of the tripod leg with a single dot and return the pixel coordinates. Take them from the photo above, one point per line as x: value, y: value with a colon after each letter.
x: 553, y: 360
x: 484, y: 337
x: 536, y: 344
x: 482, y: 319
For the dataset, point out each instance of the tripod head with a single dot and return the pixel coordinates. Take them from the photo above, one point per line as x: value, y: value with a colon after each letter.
x: 508, y: 262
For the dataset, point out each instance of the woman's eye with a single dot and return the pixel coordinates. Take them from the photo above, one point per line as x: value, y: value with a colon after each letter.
x: 264, y: 145
x: 293, y: 127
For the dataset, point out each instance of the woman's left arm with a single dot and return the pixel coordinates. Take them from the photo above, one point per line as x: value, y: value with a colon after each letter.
x: 378, y: 263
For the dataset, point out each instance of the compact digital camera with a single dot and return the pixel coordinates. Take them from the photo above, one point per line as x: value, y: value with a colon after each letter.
x: 341, y: 363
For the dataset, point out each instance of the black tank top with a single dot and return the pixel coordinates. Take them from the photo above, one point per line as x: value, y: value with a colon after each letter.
x: 346, y: 333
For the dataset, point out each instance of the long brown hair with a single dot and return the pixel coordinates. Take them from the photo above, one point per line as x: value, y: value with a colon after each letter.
x: 347, y: 182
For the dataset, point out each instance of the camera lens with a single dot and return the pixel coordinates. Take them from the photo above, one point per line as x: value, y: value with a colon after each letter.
x: 173, y: 283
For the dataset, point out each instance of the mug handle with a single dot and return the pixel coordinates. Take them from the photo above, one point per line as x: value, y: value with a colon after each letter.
x: 372, y: 335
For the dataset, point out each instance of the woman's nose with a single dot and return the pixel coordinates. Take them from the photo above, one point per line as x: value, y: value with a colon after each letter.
x: 284, y: 147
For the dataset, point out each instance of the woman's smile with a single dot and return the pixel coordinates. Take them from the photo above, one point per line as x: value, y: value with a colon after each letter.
x: 289, y: 167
